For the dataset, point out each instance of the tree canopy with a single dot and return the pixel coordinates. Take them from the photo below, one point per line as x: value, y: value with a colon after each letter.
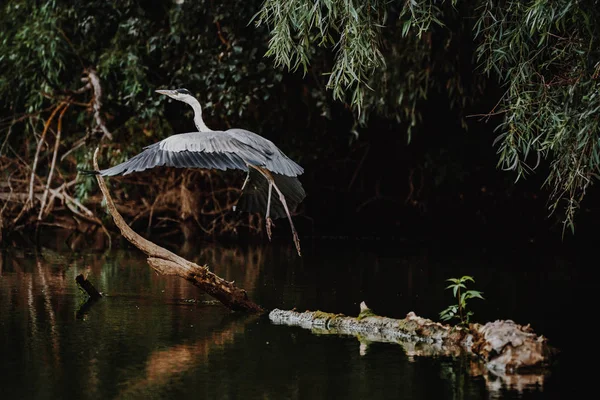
x: 530, y: 68
x: 388, y: 56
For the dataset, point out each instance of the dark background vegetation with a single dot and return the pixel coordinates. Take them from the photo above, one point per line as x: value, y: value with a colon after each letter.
x: 400, y: 149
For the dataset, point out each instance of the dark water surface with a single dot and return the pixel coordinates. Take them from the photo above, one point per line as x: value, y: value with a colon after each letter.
x: 146, y: 339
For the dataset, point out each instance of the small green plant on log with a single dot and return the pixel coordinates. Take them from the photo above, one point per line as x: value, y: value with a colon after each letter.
x: 461, y: 294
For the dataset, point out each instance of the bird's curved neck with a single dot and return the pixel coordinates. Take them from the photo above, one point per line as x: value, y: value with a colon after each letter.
x: 200, y: 125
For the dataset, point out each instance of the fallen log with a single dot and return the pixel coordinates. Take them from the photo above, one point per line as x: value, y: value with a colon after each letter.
x: 167, y: 263
x: 504, y: 347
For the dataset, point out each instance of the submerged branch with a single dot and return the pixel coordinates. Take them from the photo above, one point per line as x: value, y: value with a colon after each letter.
x: 88, y: 287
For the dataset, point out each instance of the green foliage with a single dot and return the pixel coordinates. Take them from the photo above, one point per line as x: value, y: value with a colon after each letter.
x: 136, y: 47
x: 377, y: 57
x: 388, y: 56
x: 545, y: 53
x: 32, y: 45
x: 351, y: 27
x: 461, y: 294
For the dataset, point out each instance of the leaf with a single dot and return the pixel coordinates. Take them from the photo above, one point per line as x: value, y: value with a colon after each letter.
x: 475, y: 294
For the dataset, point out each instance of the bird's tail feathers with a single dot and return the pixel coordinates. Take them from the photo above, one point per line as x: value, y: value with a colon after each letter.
x: 88, y: 171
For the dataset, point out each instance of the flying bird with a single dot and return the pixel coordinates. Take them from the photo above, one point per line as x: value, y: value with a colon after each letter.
x: 267, y: 166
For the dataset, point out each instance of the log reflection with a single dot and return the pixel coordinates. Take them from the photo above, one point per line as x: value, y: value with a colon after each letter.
x: 163, y: 366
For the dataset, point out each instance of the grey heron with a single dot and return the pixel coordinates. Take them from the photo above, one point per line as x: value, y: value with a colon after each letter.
x: 266, y: 165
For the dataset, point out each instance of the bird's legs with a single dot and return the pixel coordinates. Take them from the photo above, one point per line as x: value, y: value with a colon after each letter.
x: 245, y: 182
x: 269, y: 222
x: 243, y: 186
x: 294, y: 233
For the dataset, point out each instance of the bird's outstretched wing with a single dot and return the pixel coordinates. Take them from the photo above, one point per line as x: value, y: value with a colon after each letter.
x: 231, y: 149
x: 210, y: 150
x: 274, y: 159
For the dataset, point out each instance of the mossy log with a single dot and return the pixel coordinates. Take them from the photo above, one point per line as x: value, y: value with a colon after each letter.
x: 168, y: 263
x: 503, y: 346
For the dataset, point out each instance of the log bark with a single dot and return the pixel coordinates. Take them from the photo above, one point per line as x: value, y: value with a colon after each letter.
x: 167, y: 263
x: 503, y: 346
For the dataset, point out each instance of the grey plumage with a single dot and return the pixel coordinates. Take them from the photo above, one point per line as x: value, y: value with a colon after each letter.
x: 223, y: 150
x: 271, y: 174
x: 231, y: 149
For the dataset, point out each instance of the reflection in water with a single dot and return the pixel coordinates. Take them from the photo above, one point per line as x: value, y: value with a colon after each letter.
x: 49, y: 310
x: 496, y: 381
x: 145, y: 340
x: 85, y: 307
x: 165, y: 365
x: 243, y: 266
x: 30, y: 306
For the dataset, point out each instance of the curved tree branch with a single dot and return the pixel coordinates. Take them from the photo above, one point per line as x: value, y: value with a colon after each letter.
x: 168, y: 263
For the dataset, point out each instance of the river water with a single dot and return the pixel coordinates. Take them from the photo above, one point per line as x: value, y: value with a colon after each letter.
x: 156, y: 337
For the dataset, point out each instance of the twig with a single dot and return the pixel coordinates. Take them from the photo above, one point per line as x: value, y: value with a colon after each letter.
x: 492, y: 112
x: 221, y: 37
x: 154, y: 203
x: 29, y: 202
x: 90, y: 219
x: 52, y: 166
x: 76, y: 145
x: 9, y: 131
x: 15, y: 121
x: 5, y: 205
x: 72, y: 204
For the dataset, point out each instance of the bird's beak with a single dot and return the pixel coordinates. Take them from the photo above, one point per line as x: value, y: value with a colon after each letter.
x: 166, y: 92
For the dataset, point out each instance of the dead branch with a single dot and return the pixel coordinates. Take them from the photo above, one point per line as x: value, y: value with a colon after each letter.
x: 29, y: 202
x: 5, y: 205
x: 69, y: 202
x: 93, y: 78
x: 168, y: 263
x: 221, y: 37
x: 88, y: 287
x: 54, y: 155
